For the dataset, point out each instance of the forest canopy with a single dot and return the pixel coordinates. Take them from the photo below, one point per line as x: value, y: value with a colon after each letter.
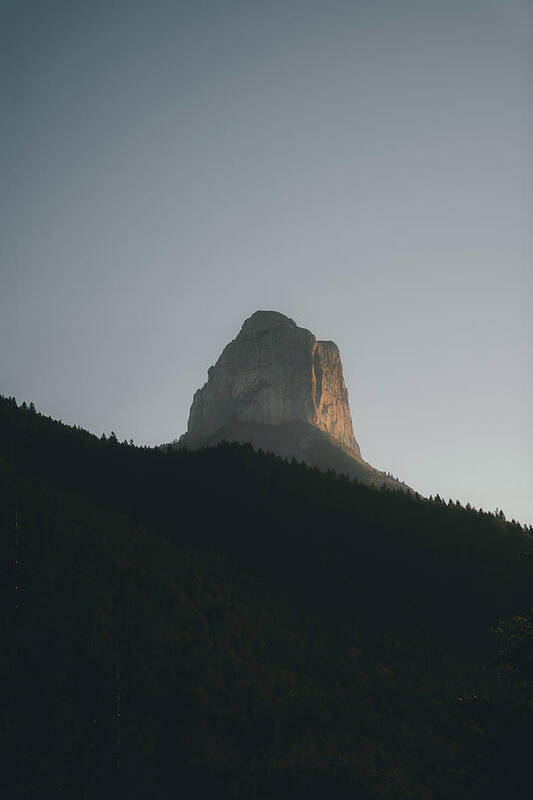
x: 227, y: 624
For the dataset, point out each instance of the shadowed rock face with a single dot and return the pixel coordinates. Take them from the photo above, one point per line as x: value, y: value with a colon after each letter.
x: 273, y: 373
x: 278, y: 388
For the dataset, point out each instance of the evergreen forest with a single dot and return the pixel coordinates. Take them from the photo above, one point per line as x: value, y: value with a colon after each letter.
x: 224, y: 624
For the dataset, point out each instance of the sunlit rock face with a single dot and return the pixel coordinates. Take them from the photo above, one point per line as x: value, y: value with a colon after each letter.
x: 277, y: 388
x: 275, y: 373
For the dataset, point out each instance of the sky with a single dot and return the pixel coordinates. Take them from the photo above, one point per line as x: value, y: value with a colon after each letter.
x: 168, y: 168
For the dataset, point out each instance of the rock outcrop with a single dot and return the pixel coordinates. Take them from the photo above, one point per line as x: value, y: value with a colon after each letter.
x: 275, y: 372
x: 279, y: 388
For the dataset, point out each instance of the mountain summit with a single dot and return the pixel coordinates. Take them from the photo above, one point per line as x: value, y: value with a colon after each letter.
x: 279, y: 388
x: 273, y: 373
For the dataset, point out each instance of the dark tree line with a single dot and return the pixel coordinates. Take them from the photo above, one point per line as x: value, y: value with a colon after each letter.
x: 225, y: 624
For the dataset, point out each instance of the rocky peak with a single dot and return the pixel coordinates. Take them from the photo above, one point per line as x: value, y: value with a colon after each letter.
x: 262, y: 320
x: 273, y: 373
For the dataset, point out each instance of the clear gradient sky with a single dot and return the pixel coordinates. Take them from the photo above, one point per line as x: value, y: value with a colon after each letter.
x: 167, y: 168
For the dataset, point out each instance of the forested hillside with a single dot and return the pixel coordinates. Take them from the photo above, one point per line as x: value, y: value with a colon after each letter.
x: 225, y: 624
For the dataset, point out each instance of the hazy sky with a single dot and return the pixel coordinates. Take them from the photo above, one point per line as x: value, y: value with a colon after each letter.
x: 168, y: 168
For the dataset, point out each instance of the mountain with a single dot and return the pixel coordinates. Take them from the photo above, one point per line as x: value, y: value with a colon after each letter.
x: 221, y: 623
x: 283, y: 391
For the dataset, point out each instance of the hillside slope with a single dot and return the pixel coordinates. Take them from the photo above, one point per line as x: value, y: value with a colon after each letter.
x: 299, y: 441
x: 225, y: 624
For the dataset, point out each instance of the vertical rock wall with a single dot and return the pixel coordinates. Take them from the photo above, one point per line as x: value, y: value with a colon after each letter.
x: 275, y: 372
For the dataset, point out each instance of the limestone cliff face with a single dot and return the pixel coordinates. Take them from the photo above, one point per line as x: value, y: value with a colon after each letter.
x: 277, y: 388
x: 275, y: 373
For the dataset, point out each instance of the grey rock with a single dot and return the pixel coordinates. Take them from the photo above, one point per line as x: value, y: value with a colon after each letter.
x: 279, y: 388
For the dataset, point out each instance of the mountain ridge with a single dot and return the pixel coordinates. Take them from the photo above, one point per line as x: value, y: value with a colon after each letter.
x: 251, y: 629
